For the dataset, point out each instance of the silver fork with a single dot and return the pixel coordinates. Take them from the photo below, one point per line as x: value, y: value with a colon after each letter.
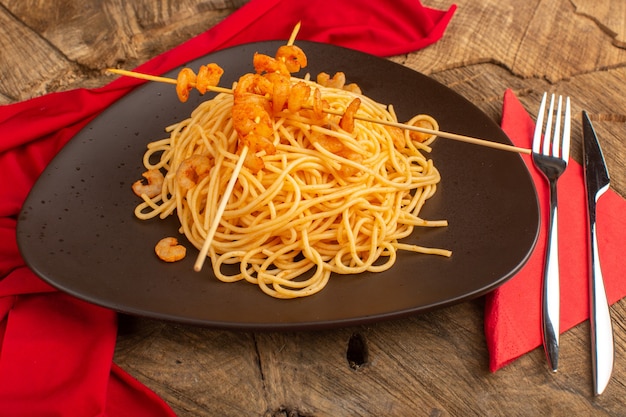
x: 550, y: 155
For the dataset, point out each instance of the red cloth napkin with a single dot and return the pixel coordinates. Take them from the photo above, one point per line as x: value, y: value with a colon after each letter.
x: 513, y: 311
x: 56, y: 351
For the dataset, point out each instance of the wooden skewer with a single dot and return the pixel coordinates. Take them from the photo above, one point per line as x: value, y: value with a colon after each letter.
x: 439, y: 133
x: 220, y: 211
x: 294, y: 34
x: 163, y: 79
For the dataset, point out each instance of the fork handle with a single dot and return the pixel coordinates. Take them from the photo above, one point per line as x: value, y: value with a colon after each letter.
x: 602, y: 351
x: 550, y: 300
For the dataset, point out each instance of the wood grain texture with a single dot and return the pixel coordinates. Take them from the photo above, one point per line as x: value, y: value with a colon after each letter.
x: 434, y: 364
x: 68, y: 44
x: 534, y: 39
x: 608, y: 15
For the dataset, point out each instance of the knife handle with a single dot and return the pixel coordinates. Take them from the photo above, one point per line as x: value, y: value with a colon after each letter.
x: 550, y: 297
x: 602, y: 353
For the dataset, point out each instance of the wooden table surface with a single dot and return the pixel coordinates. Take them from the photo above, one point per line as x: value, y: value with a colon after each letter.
x: 434, y: 364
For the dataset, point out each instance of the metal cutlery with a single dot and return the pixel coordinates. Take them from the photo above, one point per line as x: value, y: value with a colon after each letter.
x: 550, y: 155
x: 596, y: 183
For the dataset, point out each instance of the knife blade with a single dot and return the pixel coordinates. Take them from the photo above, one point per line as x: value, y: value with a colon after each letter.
x: 596, y: 183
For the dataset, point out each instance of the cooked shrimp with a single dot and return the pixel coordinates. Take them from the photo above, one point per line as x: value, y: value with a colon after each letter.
x: 254, y: 128
x: 151, y: 185
x: 251, y: 110
x: 254, y: 84
x: 293, y: 57
x: 338, y: 80
x: 168, y: 250
x: 254, y: 162
x: 280, y: 91
x: 208, y: 76
x: 298, y: 96
x: 347, y: 120
x: 266, y: 64
x: 336, y: 146
x: 330, y: 143
x: 258, y: 143
x: 353, y: 88
x: 424, y: 122
x: 319, y: 105
x: 349, y: 170
x: 192, y: 170
x: 397, y: 136
x: 184, y: 83
x: 249, y: 114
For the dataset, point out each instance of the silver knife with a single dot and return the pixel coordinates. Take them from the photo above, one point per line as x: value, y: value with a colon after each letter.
x: 597, y: 182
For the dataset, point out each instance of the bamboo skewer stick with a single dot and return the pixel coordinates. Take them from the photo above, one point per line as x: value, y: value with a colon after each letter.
x: 439, y: 133
x: 220, y: 211
x: 294, y: 34
x: 159, y: 79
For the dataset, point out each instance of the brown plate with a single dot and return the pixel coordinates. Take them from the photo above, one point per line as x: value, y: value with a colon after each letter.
x: 77, y: 229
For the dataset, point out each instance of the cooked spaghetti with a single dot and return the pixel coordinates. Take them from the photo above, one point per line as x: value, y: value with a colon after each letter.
x: 311, y: 210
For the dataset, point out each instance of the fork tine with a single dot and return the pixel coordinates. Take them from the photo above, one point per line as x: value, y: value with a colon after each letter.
x: 566, y: 131
x: 547, y: 136
x: 556, y: 138
x: 539, y: 124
